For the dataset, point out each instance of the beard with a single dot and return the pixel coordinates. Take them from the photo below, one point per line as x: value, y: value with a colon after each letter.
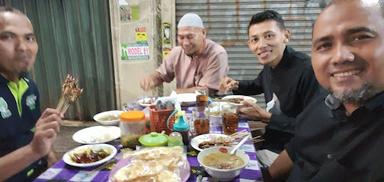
x: 359, y: 96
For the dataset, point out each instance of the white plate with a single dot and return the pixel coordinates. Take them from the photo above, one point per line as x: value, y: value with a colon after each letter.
x: 96, y: 134
x: 109, y: 148
x: 247, y: 98
x: 145, y: 101
x: 108, y: 117
x: 206, y: 137
x: 186, y: 98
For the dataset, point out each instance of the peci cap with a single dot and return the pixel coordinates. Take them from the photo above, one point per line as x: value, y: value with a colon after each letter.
x: 190, y: 20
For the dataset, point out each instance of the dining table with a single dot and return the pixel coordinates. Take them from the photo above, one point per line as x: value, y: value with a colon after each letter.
x: 61, y: 171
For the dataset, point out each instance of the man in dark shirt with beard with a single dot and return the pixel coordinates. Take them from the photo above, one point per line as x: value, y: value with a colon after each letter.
x: 339, y: 137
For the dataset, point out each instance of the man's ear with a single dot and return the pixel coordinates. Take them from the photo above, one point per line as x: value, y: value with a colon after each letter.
x: 287, y: 36
x: 204, y: 32
x: 249, y: 44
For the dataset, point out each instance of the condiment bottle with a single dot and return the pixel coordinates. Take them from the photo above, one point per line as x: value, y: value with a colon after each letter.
x: 132, y: 126
x: 182, y: 127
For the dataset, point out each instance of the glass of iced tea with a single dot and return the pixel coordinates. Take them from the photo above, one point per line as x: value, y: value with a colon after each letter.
x: 201, y: 98
x: 230, y: 119
x: 201, y: 121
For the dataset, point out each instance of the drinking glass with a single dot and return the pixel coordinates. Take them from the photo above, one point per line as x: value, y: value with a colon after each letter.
x: 230, y: 119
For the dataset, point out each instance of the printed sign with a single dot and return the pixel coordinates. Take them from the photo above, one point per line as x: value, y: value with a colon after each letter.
x: 135, y: 12
x: 125, y: 14
x: 141, y: 35
x: 125, y: 11
x: 134, y: 52
x: 166, y: 33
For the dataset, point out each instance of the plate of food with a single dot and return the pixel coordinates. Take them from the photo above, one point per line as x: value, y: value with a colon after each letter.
x: 202, y: 142
x: 186, y: 99
x: 89, y: 155
x: 108, y: 117
x: 163, y: 164
x: 96, y: 134
x: 147, y: 101
x: 238, y: 99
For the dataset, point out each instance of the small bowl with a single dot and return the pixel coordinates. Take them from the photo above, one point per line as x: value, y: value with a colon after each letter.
x: 223, y: 174
x: 110, y: 118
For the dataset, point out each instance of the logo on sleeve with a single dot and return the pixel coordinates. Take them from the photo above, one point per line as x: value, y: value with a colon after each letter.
x: 31, y: 101
x: 4, y: 111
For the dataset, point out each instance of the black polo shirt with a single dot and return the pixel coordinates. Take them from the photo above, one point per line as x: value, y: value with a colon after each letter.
x: 330, y: 146
x: 292, y: 84
x: 16, y: 130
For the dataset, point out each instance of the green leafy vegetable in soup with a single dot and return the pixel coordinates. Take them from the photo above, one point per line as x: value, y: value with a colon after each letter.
x: 221, y: 160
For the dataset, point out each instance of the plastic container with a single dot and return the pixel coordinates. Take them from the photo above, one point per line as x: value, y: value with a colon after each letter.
x: 182, y: 127
x: 153, y: 140
x: 158, y: 120
x: 132, y: 126
x: 175, y: 139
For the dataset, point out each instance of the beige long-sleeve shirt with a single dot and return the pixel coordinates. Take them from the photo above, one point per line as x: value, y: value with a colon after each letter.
x: 205, y: 69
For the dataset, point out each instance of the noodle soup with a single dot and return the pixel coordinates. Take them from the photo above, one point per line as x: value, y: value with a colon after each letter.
x: 222, y: 160
x: 221, y: 165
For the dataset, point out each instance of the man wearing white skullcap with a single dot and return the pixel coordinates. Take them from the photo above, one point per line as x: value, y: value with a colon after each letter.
x: 196, y: 63
x: 190, y: 20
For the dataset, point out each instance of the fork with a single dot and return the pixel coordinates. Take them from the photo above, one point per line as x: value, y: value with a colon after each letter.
x: 105, y: 165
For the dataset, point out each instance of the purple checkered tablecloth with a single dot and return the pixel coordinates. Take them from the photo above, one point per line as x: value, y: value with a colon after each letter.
x: 63, y: 172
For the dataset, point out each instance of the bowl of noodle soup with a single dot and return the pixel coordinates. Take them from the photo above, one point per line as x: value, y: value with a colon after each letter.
x: 220, y: 164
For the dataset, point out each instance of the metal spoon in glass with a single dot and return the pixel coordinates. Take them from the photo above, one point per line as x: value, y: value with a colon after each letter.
x: 233, y: 151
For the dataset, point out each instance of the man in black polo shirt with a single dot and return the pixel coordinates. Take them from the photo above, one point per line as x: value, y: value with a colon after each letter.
x: 287, y: 80
x: 339, y: 137
x: 26, y: 136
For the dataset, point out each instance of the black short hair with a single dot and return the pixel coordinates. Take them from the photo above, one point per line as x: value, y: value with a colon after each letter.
x: 265, y: 16
x: 330, y: 2
x: 10, y: 9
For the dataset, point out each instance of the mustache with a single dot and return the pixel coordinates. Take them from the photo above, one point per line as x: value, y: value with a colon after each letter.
x: 357, y: 61
x: 22, y: 56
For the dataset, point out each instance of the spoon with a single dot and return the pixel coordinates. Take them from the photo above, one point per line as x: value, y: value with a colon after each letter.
x: 233, y: 151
